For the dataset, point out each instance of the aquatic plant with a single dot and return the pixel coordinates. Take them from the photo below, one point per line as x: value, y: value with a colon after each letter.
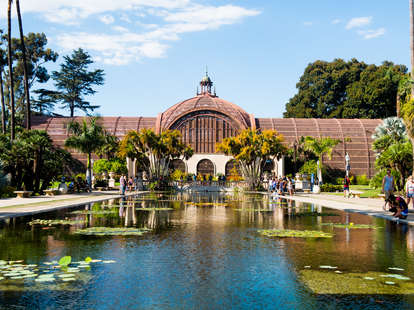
x: 54, y: 222
x: 287, y: 233
x: 316, y: 214
x: 155, y: 209
x: 95, y: 212
x: 350, y: 225
x: 206, y: 204
x: 373, y: 282
x: 112, y: 231
x: 65, y: 260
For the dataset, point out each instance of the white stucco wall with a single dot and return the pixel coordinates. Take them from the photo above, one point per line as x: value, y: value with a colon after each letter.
x: 219, y: 162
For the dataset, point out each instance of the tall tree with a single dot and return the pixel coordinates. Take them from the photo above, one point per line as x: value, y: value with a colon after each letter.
x: 3, y: 63
x: 154, y: 152
x: 343, y: 89
x: 10, y: 62
x: 26, y: 82
x: 251, y: 149
x: 320, y: 147
x: 87, y: 138
x: 74, y: 82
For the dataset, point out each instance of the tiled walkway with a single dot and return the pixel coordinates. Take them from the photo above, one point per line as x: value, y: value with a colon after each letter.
x: 368, y: 206
x: 12, y: 207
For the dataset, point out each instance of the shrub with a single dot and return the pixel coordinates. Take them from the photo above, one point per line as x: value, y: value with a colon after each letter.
x: 309, y: 167
x: 327, y: 187
x: 376, y: 181
x: 361, y: 180
x: 80, y: 175
x: 7, y: 192
x: 118, y: 166
x: 177, y: 175
x: 101, y: 165
x: 101, y: 183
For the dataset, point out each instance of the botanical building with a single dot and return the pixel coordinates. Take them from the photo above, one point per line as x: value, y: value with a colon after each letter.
x: 206, y: 119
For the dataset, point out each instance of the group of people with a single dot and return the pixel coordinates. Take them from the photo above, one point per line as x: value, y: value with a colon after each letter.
x: 397, y: 204
x: 126, y: 184
x: 282, y: 185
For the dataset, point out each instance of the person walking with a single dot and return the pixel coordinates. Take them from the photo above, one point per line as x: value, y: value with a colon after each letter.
x: 122, y: 184
x: 409, y: 189
x: 388, y: 186
x: 347, y: 183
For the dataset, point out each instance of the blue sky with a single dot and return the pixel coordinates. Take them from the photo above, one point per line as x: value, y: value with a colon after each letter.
x: 154, y: 52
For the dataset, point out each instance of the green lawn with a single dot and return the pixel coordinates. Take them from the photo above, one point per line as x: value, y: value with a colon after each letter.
x: 367, y: 192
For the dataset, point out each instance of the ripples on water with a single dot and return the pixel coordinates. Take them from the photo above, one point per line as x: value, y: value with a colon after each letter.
x: 204, y: 254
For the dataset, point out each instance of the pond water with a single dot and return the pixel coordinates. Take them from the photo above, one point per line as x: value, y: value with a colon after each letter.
x: 204, y: 252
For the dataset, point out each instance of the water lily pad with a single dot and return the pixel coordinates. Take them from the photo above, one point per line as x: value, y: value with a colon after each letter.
x: 350, y: 225
x: 16, y: 278
x: 395, y: 268
x: 112, y: 231
x: 68, y: 279
x: 66, y: 275
x: 368, y: 283
x: 327, y: 267
x: 2, y: 278
x: 73, y: 270
x: 389, y: 282
x: 307, y: 267
x: 65, y: 260
x: 154, y: 209
x: 286, y: 233
x: 41, y: 222
x: 108, y: 261
x: 337, y: 271
x: 45, y: 279
x: 396, y: 276
x: 88, y: 259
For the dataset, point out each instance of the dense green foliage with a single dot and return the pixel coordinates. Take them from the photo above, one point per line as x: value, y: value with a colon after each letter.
x: 32, y: 161
x: 393, y: 149
x: 74, y: 82
x: 116, y: 165
x: 343, y: 89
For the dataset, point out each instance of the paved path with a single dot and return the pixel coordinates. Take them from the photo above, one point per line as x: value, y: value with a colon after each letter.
x: 368, y: 206
x: 13, y: 207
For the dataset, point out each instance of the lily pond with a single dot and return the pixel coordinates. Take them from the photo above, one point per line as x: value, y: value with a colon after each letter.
x: 205, y: 251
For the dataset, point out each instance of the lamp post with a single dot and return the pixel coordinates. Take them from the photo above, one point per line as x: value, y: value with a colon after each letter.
x: 347, y: 164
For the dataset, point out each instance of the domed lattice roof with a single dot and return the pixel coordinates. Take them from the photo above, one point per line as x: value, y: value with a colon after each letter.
x: 205, y: 102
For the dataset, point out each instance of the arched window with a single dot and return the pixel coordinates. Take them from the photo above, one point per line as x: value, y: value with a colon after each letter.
x: 177, y: 164
x: 203, y: 129
x: 229, y: 167
x: 205, y: 166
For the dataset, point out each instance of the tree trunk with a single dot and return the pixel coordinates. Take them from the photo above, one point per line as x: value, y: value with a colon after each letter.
x: 26, y: 83
x: 3, y: 106
x: 89, y: 179
x: 10, y: 62
x: 412, y: 42
x: 72, y: 110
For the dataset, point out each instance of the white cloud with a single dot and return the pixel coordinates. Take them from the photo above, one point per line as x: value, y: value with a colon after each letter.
x: 170, y: 19
x: 308, y: 24
x: 107, y: 19
x: 359, y: 22
x: 336, y: 21
x: 371, y: 34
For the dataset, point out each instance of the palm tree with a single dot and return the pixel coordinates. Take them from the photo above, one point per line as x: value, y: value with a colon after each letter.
x: 26, y: 83
x: 86, y: 138
x: 10, y: 62
x: 320, y: 147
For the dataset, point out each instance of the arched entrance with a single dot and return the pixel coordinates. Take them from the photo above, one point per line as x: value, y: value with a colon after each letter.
x: 177, y: 164
x: 269, y: 166
x: 230, y: 168
x: 204, y: 167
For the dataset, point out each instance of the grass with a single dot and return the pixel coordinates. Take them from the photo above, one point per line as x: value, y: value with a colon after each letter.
x: 367, y: 192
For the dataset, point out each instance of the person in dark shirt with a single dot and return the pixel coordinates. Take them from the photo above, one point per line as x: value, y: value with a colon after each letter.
x: 399, y: 207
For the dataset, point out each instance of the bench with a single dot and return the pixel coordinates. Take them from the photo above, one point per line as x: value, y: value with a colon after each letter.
x: 23, y: 194
x: 51, y: 192
x: 355, y: 194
